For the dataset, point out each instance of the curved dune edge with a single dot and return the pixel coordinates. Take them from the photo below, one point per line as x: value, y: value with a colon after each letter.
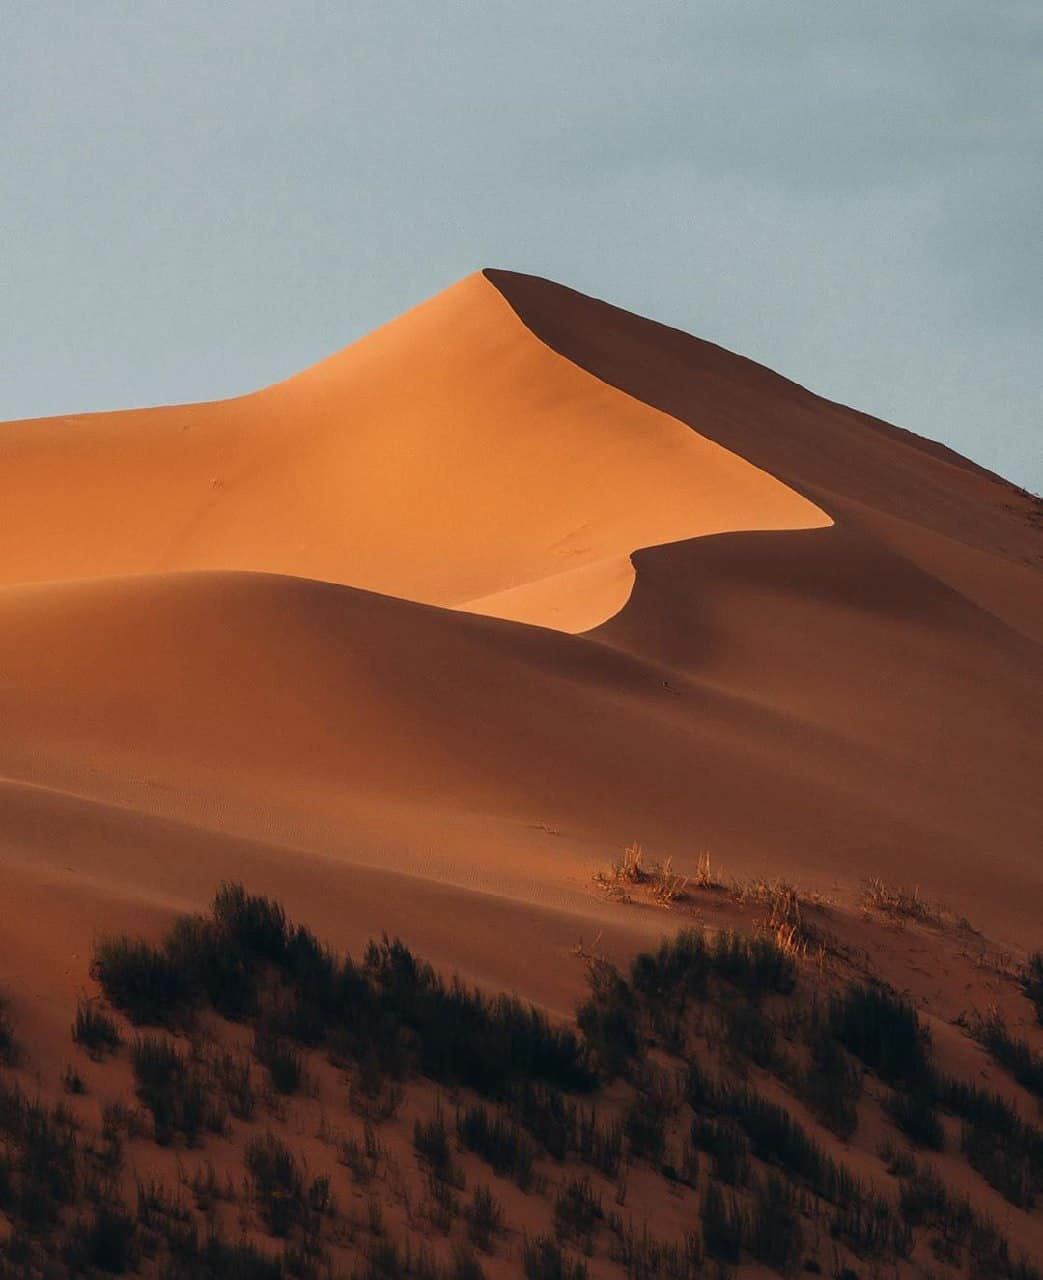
x: 451, y: 458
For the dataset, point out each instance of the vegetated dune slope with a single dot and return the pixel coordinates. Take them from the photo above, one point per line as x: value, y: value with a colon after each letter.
x: 199, y: 681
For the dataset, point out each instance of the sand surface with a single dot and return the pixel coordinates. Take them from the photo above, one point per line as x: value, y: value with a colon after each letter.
x: 420, y: 638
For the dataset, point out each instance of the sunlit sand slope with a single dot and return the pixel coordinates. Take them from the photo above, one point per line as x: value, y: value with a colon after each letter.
x: 450, y: 457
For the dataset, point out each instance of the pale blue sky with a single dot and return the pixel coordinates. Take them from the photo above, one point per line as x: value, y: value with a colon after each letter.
x: 200, y: 198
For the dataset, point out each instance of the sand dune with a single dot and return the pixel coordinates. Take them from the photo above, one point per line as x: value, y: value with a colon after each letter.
x: 450, y: 456
x: 870, y: 682
x: 417, y: 640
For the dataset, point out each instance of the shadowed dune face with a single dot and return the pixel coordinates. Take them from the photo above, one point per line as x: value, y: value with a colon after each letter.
x: 450, y: 458
x: 960, y: 523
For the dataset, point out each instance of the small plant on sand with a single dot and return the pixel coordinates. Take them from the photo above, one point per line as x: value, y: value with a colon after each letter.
x: 724, y: 1225
x: 577, y: 1212
x: 1010, y: 1051
x: 283, y: 1061
x: 431, y: 1143
x: 662, y: 883
x: 898, y: 902
x: 544, y: 1259
x: 175, y: 1090
x: 94, y: 1029
x: 498, y: 1142
x: 278, y: 1183
x: 484, y: 1219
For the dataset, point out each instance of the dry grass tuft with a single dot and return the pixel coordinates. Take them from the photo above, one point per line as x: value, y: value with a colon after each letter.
x: 785, y: 910
x: 900, y: 903
x: 662, y: 883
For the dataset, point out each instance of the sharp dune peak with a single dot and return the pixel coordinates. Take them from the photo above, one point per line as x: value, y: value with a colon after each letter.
x: 450, y: 457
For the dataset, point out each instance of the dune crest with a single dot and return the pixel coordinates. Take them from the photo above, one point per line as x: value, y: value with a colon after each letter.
x: 450, y: 458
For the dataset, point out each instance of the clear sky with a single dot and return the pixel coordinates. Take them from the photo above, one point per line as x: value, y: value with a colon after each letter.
x: 198, y: 197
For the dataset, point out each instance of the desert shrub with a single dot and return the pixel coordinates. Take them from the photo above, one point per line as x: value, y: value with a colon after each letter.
x: 643, y: 1257
x: 750, y: 1035
x: 676, y: 973
x: 577, y: 1212
x: 174, y: 1090
x: 431, y: 1143
x: 282, y: 1060
x: 917, y: 1117
x: 1032, y: 982
x: 1003, y: 1148
x: 544, y: 1259
x: 278, y: 1183
x: 777, y: 1139
x: 644, y: 1126
x: 1011, y: 1052
x: 831, y: 1086
x: 775, y: 1236
x: 925, y: 1201
x: 599, y: 1145
x: 216, y: 1259
x: 234, y: 1082
x: 468, y: 1038
x: 724, y: 1225
x: 257, y: 926
x: 498, y: 1142
x: 484, y: 1219
x: 94, y: 1029
x: 727, y: 1147
x: 1003, y: 1165
x: 38, y: 1164
x: 107, y: 1241
x: 142, y: 981
x: 546, y: 1114
x: 755, y: 966
x: 883, y: 1031
x: 72, y: 1081
x: 209, y: 966
x: 609, y: 1019
x: 464, y: 1265
x: 869, y: 1228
